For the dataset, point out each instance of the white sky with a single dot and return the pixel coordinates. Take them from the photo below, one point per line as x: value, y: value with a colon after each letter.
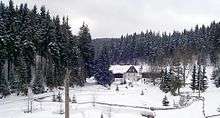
x: 112, y: 18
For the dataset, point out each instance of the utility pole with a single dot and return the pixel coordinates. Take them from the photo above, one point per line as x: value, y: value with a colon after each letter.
x: 66, y: 84
x: 199, y: 87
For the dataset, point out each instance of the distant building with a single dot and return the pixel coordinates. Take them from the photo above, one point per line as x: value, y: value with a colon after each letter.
x: 131, y: 74
x: 118, y: 75
x: 153, y: 77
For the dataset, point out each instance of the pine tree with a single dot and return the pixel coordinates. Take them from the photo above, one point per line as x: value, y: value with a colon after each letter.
x: 217, y: 82
x: 86, y: 51
x: 199, y: 78
x: 176, y: 83
x: 165, y: 84
x: 3, y: 83
x: 216, y: 77
x: 165, y: 101
x: 102, y: 73
x: 193, y: 80
x: 203, y: 81
x: 32, y: 42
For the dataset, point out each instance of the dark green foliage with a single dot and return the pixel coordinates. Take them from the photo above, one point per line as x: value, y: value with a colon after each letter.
x: 199, y: 79
x: 162, y: 49
x: 171, y: 81
x: 102, y: 73
x: 203, y: 81
x: 176, y: 84
x: 165, y: 84
x: 38, y: 86
x: 216, y: 77
x: 193, y: 81
x: 217, y: 81
x: 87, y: 51
x: 35, y: 48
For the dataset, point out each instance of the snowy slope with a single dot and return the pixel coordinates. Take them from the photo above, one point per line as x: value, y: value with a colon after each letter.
x: 14, y: 106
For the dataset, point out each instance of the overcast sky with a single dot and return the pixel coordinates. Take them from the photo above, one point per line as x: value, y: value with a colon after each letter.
x: 112, y: 18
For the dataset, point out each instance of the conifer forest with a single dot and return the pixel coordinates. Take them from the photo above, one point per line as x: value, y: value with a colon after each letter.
x: 89, y: 59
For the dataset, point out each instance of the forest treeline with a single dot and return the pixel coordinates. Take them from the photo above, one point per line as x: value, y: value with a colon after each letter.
x: 36, y: 47
x: 199, y: 44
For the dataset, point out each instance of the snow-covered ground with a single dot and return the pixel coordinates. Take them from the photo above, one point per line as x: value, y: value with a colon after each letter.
x: 14, y: 106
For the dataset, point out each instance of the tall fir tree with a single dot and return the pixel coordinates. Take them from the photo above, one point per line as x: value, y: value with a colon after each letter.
x: 199, y: 78
x: 203, y: 80
x: 165, y: 84
x: 193, y: 80
x: 176, y: 83
x: 87, y: 51
x: 102, y: 73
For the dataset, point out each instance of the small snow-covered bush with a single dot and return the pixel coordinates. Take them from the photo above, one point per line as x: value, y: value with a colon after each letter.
x: 218, y: 109
x: 142, y: 92
x: 165, y: 101
x: 59, y: 97
x: 102, y: 116
x: 117, y: 88
x: 54, y: 98
x: 74, y: 99
x: 148, y: 114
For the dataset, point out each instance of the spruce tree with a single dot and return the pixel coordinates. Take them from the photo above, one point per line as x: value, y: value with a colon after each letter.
x: 203, y: 81
x: 217, y: 82
x: 176, y: 83
x: 199, y: 78
x: 86, y: 51
x: 165, y: 84
x: 193, y: 80
x: 102, y: 73
x: 32, y: 42
x: 165, y: 101
x: 3, y: 83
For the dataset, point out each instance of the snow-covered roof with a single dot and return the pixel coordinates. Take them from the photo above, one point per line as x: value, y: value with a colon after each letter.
x: 119, y: 68
x: 124, y: 68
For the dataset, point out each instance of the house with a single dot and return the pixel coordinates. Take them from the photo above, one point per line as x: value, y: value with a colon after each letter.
x: 131, y: 74
x: 153, y: 77
x: 124, y: 72
x: 118, y: 75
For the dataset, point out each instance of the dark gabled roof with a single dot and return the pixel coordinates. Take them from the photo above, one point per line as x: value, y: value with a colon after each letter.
x: 132, y: 69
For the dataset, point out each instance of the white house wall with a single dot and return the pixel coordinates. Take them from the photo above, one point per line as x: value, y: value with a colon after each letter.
x: 131, y: 76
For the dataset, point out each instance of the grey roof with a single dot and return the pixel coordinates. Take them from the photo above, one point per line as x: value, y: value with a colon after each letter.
x: 132, y: 69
